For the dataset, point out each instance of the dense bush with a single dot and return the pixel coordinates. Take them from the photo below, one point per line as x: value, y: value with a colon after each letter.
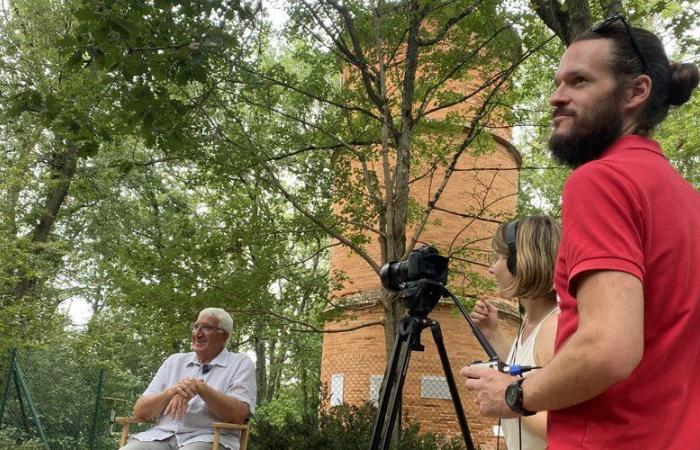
x: 16, y: 439
x: 340, y: 428
x: 63, y: 387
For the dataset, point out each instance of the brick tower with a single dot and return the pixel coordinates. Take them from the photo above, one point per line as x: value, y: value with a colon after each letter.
x: 353, y: 362
x: 482, y: 188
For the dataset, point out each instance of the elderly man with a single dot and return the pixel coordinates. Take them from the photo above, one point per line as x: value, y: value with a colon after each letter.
x: 192, y: 390
x: 628, y: 340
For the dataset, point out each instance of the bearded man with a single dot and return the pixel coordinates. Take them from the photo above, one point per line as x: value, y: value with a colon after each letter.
x: 628, y: 340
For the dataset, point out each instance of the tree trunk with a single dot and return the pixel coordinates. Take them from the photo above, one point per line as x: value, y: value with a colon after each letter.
x: 611, y: 7
x: 260, y: 349
x: 568, y: 21
x: 63, y: 169
x: 579, y: 17
x: 396, y: 241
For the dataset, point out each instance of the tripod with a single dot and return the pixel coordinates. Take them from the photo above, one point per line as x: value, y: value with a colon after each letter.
x: 408, y: 340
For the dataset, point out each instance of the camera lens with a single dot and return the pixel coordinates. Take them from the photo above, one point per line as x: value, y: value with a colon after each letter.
x: 389, y: 276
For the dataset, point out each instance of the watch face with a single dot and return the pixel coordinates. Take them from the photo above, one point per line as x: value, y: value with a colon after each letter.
x: 512, y: 392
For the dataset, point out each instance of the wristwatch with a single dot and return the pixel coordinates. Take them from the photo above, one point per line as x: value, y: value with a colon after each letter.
x: 514, y: 398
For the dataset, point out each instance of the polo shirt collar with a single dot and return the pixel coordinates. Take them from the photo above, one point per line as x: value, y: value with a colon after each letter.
x: 633, y: 141
x: 219, y: 360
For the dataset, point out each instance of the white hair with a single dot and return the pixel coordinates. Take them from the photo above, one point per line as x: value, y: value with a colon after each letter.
x: 223, y: 319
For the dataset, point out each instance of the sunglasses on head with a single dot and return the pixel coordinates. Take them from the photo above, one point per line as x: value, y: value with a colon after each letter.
x: 635, y: 44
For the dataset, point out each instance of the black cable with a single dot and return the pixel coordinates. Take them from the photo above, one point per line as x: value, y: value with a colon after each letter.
x: 498, y: 435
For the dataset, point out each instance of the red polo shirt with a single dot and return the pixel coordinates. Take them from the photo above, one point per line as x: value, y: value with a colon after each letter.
x: 630, y: 211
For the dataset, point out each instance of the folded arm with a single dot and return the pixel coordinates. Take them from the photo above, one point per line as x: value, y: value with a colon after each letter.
x: 225, y: 407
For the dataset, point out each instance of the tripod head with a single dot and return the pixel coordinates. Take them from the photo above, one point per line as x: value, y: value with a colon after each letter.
x: 421, y: 296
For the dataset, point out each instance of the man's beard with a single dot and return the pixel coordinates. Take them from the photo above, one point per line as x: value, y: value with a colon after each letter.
x: 589, y: 135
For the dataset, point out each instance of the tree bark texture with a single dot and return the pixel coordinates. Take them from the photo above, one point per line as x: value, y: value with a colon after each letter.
x: 63, y: 167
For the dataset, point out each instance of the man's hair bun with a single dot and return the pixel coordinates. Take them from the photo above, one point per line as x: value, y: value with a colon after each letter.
x: 684, y: 78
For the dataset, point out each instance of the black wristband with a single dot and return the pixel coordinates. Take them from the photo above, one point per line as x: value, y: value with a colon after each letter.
x: 514, y: 398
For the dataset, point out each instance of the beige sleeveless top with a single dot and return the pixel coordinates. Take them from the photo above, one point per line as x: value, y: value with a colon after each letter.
x: 519, y: 436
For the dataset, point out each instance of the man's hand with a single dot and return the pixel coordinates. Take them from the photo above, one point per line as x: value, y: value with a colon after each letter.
x: 183, y: 392
x: 177, y: 407
x: 186, y: 388
x: 490, y: 387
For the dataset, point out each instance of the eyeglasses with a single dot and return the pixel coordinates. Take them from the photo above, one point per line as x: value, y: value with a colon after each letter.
x: 207, y: 329
x: 635, y: 44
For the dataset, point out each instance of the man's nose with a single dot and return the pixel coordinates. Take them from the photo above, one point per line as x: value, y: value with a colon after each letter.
x: 559, y: 96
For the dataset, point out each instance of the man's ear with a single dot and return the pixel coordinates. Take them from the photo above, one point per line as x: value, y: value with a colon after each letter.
x: 637, y: 93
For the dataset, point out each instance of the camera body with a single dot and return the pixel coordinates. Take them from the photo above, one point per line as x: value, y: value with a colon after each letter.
x: 420, y: 279
x: 424, y: 262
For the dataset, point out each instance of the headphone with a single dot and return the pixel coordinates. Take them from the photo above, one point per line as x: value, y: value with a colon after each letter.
x: 511, y: 235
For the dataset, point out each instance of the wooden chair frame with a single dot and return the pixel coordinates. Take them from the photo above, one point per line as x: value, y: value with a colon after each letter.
x: 217, y: 426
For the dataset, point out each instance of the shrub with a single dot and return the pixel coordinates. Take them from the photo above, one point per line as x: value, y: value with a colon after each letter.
x: 343, y: 427
x: 16, y: 439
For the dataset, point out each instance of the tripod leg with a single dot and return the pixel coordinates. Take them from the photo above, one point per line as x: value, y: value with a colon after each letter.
x: 437, y: 336
x: 387, y: 385
x: 397, y: 390
x: 407, y: 335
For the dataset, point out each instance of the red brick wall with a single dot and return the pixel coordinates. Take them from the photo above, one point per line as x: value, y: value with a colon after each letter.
x: 491, y: 192
x: 359, y: 354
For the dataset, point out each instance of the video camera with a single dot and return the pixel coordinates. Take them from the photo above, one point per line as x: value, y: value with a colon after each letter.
x: 420, y: 279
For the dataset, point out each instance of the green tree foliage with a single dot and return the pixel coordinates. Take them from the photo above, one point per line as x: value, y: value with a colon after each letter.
x: 85, y: 74
x: 164, y: 215
x: 395, y: 92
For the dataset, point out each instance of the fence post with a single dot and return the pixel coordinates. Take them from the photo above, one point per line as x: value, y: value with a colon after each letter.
x: 6, y: 389
x: 98, y: 394
x: 19, y: 378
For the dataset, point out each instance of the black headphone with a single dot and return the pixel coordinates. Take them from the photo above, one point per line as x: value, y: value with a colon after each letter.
x: 511, y: 235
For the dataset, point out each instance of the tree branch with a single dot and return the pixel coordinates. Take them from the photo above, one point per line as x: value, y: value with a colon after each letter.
x: 448, y: 25
x: 555, y: 17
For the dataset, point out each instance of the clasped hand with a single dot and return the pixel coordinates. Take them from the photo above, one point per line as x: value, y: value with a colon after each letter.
x: 183, y: 392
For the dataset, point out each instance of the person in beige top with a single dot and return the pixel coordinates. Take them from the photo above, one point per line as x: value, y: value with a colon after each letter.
x: 524, y: 256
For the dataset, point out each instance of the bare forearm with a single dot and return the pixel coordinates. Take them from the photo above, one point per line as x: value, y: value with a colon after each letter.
x: 150, y: 407
x: 582, y: 370
x: 226, y: 408
x: 500, y: 344
x: 607, y: 346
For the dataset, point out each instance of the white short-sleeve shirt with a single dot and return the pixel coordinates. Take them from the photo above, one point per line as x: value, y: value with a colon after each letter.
x: 230, y: 373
